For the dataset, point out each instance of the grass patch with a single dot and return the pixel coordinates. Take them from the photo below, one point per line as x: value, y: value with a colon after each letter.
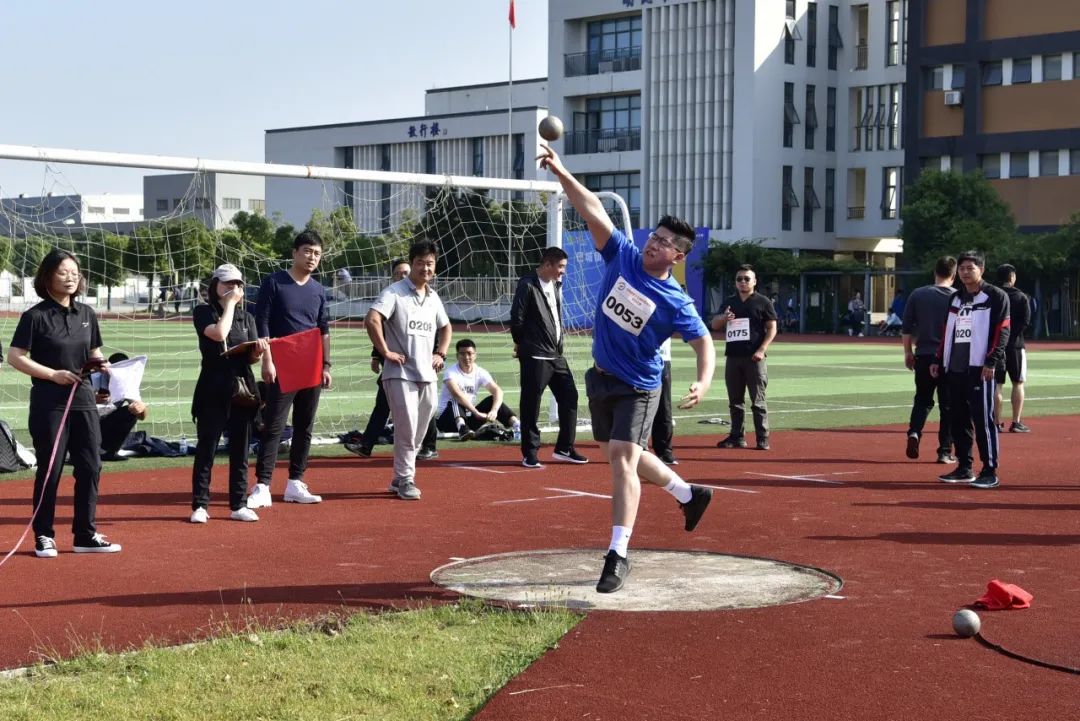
x: 440, y: 662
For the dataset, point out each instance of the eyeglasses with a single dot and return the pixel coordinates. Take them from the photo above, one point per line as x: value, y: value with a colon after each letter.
x: 666, y: 242
x: 743, y: 279
x: 64, y: 275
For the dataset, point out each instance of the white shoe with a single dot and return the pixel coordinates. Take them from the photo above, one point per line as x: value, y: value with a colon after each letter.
x: 260, y: 497
x: 297, y: 492
x: 243, y: 514
x: 200, y: 515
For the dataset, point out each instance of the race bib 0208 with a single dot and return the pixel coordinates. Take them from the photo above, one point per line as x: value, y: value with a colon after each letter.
x: 629, y: 309
x: 738, y: 330
x: 962, y: 331
x: 423, y: 327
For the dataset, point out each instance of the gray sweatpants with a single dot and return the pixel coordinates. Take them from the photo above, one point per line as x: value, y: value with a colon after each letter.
x: 743, y: 374
x: 412, y: 406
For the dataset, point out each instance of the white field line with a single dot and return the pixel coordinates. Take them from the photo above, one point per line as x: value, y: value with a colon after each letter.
x: 563, y: 493
x: 809, y: 478
x: 476, y: 468
x: 726, y: 488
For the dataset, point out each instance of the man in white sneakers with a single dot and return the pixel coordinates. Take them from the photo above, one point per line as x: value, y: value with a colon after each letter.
x: 458, y: 410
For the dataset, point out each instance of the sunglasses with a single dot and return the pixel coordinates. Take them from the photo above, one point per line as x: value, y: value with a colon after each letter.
x: 743, y: 279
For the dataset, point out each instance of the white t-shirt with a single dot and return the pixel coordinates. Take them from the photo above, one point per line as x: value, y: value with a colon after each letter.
x: 548, y: 287
x: 468, y: 383
x: 409, y: 326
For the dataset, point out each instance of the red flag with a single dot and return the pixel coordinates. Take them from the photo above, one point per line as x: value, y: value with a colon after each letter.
x: 513, y: 18
x: 298, y: 359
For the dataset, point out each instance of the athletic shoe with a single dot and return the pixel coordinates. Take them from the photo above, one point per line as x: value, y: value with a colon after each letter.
x: 408, y: 491
x: 960, y: 475
x: 260, y: 497
x: 987, y: 479
x: 616, y: 569
x: 763, y: 444
x: 732, y: 442
x: 96, y: 544
x: 945, y: 457
x: 1018, y: 427
x: 466, y: 434
x: 244, y: 514
x: 569, y: 455
x: 45, y: 547
x: 1001, y: 427
x: 359, y: 449
x: 297, y: 492
x: 530, y: 461
x: 912, y: 445
x: 427, y: 454
x: 695, y: 507
x: 393, y: 486
x: 113, y: 457
x: 200, y: 515
x: 668, y: 459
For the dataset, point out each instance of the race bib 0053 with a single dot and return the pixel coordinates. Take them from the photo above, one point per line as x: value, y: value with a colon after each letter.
x: 738, y: 330
x: 629, y: 309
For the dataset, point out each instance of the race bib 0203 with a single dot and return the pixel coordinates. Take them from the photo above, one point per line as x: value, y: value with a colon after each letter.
x: 738, y: 330
x: 962, y: 331
x: 627, y: 308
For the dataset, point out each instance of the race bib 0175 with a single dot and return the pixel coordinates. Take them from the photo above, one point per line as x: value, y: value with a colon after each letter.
x: 738, y: 330
x: 629, y: 309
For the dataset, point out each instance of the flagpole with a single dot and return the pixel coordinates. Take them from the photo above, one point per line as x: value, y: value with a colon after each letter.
x: 510, y: 150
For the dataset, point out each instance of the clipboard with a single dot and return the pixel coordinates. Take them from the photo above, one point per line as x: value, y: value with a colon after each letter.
x: 240, y: 349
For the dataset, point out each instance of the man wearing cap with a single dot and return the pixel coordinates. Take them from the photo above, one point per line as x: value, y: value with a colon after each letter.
x: 1015, y: 363
x: 290, y: 301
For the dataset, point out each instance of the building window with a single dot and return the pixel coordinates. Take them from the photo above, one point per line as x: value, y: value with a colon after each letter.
x: 894, y: 32
x: 1074, y: 161
x: 626, y: 185
x: 1021, y: 71
x: 895, y: 92
x: 257, y: 205
x: 176, y: 203
x: 477, y: 156
x: 1018, y: 165
x: 930, y: 162
x: 958, y: 78
x: 789, y: 9
x: 613, y: 45
x: 202, y: 203
x: 1051, y: 66
x: 788, y: 201
x: 1076, y: 66
x: 830, y: 119
x: 830, y: 200
x: 862, y: 108
x: 810, y: 200
x: 991, y: 73
x: 835, y: 41
x: 99, y: 209
x: 956, y: 164
x: 614, y: 112
x: 519, y: 164
x: 990, y: 164
x: 791, y: 116
x: 1048, y: 163
x: 121, y: 211
x: 789, y: 46
x: 811, y: 117
x: 162, y: 205
x: 230, y: 203
x: 890, y: 193
x: 811, y: 34
x: 881, y: 121
x: 934, y: 77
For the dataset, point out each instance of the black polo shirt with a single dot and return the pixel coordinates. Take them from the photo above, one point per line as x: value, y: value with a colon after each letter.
x: 60, y: 338
x: 758, y: 309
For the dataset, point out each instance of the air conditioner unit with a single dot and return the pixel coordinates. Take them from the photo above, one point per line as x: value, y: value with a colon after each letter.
x: 954, y: 97
x: 606, y: 66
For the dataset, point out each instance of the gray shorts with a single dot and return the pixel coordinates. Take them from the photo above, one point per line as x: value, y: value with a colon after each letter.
x: 619, y: 411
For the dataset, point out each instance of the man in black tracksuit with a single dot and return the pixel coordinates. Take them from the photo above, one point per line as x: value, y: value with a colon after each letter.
x: 536, y: 326
x: 1015, y: 365
x: 976, y: 332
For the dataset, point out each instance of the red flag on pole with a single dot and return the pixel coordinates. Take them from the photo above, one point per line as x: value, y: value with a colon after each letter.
x: 513, y: 18
x: 298, y: 359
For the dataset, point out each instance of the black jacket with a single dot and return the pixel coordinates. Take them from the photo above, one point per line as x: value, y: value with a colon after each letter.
x: 531, y: 324
x: 1020, y: 316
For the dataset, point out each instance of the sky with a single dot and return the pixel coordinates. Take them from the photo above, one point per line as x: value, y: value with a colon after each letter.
x: 206, y: 79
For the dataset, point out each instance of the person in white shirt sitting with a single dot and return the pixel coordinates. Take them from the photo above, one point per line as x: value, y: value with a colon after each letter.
x: 458, y: 412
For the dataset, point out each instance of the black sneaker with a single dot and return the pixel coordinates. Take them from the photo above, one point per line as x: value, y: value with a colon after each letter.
x: 95, y: 544
x: 465, y: 434
x: 960, y: 475
x: 45, y: 547
x: 1018, y: 427
x: 668, y: 459
x: 732, y: 442
x: 912, y: 445
x: 113, y: 457
x: 987, y: 479
x: 945, y: 457
x: 763, y: 444
x: 427, y: 454
x: 530, y: 461
x: 616, y: 569
x: 359, y: 449
x: 694, y: 509
x: 569, y: 455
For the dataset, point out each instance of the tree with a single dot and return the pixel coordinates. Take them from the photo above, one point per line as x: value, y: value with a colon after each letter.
x: 947, y: 213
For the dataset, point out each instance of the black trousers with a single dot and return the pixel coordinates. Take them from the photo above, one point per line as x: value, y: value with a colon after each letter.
x: 744, y: 375
x: 304, y: 404
x: 662, y: 427
x: 926, y: 386
x: 81, y: 438
x: 536, y: 375
x: 447, y: 420
x: 971, y: 407
x: 209, y: 427
x: 115, y: 428
x: 380, y: 414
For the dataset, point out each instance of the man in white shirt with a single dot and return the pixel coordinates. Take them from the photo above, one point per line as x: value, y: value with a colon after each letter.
x: 458, y: 410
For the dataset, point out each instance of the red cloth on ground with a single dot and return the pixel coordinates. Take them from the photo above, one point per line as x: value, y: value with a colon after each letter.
x: 1000, y: 596
x: 298, y: 359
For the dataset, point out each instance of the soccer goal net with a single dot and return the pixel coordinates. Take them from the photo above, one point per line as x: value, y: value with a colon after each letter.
x: 147, y: 258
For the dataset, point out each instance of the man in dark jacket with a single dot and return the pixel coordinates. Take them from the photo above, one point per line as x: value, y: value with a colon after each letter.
x: 536, y: 326
x: 1015, y: 364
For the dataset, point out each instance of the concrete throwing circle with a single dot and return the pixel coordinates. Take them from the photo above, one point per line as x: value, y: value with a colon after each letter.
x: 658, y: 581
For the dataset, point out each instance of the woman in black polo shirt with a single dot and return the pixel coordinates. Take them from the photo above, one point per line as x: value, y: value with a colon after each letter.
x: 222, y: 322
x: 53, y: 343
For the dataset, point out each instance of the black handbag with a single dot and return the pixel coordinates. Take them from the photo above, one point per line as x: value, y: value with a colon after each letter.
x: 242, y: 397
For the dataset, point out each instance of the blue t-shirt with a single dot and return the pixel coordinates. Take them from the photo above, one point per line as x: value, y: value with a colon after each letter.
x: 285, y: 307
x: 635, y: 313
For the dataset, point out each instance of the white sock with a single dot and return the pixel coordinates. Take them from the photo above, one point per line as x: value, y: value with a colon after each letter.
x: 620, y: 539
x: 678, y: 488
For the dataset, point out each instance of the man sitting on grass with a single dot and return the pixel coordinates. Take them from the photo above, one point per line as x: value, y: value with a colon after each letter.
x: 458, y: 411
